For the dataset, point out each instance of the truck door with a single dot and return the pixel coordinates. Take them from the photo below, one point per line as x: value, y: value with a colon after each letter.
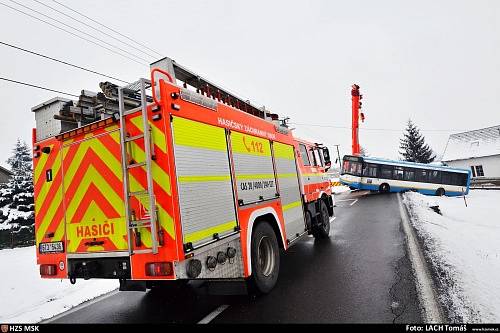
x: 289, y: 189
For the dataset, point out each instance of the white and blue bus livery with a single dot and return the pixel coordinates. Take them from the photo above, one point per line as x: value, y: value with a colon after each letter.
x: 375, y: 174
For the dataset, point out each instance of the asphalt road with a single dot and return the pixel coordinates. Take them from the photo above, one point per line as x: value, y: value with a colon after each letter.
x: 360, y: 275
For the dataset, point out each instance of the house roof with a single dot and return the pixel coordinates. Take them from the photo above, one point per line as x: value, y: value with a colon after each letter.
x: 476, y: 143
x: 7, y: 171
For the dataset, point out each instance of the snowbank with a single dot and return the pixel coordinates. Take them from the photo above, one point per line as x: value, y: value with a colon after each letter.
x: 26, y: 298
x: 463, y: 247
x: 340, y: 189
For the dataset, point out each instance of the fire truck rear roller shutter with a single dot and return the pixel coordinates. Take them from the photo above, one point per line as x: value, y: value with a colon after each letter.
x: 288, y: 183
x: 204, y: 181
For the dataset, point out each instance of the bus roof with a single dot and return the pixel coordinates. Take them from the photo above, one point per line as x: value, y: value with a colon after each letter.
x: 410, y: 164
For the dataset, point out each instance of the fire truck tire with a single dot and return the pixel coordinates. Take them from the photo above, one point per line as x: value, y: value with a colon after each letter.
x: 265, y: 259
x: 322, y: 229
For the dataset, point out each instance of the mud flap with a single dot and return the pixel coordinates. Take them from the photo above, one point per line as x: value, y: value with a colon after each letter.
x: 131, y: 285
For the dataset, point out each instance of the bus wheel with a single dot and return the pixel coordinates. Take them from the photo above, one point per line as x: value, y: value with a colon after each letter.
x: 265, y: 258
x: 440, y: 192
x: 384, y: 188
x: 322, y: 229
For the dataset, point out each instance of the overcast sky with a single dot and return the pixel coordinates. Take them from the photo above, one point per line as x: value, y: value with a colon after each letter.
x: 436, y: 62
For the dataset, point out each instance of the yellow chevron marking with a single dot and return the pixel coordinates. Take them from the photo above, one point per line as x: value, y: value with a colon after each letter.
x: 93, y: 217
x: 158, y: 136
x: 159, y: 175
x: 49, y: 215
x: 100, y: 150
x: 40, y: 166
x: 42, y: 194
x: 205, y: 233
x: 92, y: 176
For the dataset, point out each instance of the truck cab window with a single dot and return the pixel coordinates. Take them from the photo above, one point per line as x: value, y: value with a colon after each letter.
x: 317, y: 159
x: 304, y: 155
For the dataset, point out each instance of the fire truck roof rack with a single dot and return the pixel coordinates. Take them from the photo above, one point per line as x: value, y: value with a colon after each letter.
x: 209, y: 89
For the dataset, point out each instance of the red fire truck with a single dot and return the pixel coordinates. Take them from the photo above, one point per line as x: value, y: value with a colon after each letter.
x: 172, y: 178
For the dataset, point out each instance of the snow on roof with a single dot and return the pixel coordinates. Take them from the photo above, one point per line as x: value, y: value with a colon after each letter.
x: 6, y: 171
x: 477, y: 143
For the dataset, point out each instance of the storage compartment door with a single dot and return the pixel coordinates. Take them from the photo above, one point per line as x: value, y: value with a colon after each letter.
x: 253, y: 168
x: 289, y: 188
x: 204, y: 181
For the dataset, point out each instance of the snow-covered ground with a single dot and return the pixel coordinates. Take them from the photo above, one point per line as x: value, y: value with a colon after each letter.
x: 26, y: 298
x: 340, y: 189
x: 463, y: 248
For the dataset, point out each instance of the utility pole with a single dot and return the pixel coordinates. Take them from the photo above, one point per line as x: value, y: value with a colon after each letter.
x: 338, y: 155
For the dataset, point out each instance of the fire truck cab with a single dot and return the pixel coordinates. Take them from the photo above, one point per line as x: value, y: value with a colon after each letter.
x: 172, y: 178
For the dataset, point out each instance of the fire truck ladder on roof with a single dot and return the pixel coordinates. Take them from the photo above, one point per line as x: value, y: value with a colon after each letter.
x: 209, y: 89
x: 125, y: 140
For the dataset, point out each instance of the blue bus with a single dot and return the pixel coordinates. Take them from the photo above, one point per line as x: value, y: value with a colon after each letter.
x: 376, y: 174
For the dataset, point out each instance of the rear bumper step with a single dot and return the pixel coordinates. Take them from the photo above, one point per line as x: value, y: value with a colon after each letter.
x: 103, y: 268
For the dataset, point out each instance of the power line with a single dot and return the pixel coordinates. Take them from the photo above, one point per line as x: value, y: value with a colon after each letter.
x: 62, y: 62
x: 71, y: 33
x: 105, y: 26
x: 38, y: 87
x: 79, y: 30
x: 377, y: 129
x: 98, y: 30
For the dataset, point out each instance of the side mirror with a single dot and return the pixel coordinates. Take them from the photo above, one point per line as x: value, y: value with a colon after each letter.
x: 326, y: 158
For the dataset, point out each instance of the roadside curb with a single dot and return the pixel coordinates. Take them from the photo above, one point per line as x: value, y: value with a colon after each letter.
x: 80, y: 306
x: 432, y: 311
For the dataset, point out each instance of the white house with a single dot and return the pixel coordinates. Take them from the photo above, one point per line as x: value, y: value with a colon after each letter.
x: 4, y: 175
x: 477, y: 150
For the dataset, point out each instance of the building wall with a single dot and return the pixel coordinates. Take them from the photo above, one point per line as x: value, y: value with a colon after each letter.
x: 491, y: 165
x: 4, y: 177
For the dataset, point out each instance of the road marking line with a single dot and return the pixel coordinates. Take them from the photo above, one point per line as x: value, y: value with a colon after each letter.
x: 211, y: 316
x: 426, y: 290
x: 353, y: 202
x: 80, y: 306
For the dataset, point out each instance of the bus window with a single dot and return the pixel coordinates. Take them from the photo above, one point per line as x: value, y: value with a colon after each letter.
x: 398, y: 173
x: 386, y: 171
x: 370, y: 170
x: 434, y: 176
x: 409, y: 174
x: 352, y: 167
x: 446, y: 178
x: 421, y: 176
x: 462, y: 179
x: 305, y: 156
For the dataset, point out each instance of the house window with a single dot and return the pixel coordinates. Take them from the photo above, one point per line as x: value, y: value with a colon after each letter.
x: 479, y: 171
x: 473, y: 171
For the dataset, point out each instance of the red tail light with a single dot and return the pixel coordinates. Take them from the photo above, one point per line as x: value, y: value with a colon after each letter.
x: 48, y: 270
x: 159, y: 269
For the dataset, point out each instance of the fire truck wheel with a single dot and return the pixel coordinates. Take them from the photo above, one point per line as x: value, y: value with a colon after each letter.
x: 322, y: 229
x: 265, y: 259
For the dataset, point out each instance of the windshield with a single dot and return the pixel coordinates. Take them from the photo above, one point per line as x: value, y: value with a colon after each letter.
x: 352, y: 168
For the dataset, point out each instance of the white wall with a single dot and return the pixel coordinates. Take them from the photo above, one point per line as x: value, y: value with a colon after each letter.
x: 491, y: 164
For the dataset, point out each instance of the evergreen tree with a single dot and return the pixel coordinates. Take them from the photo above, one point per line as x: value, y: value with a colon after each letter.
x: 413, y: 147
x: 16, y: 197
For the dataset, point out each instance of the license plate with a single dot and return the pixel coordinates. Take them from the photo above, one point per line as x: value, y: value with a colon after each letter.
x: 54, y: 247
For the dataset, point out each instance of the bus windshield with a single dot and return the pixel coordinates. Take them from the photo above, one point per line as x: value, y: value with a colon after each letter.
x: 352, y: 167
